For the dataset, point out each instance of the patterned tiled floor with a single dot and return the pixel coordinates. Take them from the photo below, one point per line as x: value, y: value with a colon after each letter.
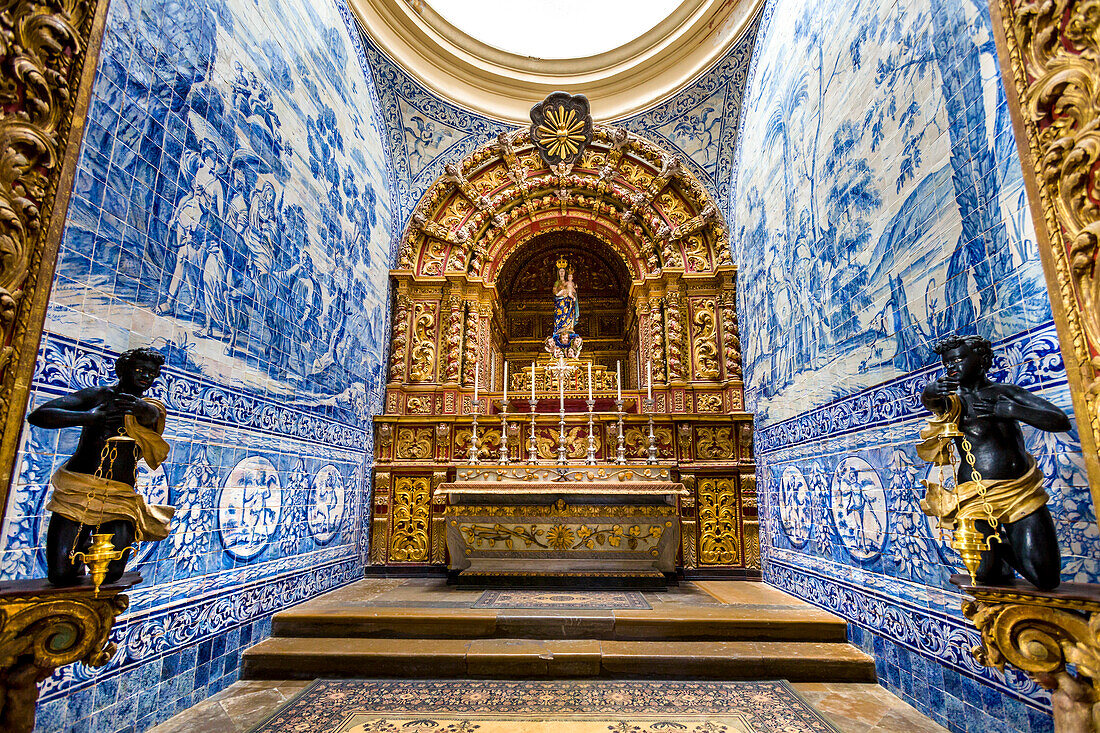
x: 852, y: 708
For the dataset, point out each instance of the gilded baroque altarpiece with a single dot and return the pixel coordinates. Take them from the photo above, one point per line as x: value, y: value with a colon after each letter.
x: 650, y: 252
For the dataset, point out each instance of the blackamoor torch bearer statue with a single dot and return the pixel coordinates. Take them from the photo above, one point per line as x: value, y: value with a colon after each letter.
x: 997, y: 510
x: 96, y: 512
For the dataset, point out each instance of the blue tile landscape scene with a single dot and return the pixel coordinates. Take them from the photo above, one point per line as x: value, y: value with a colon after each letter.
x: 878, y: 205
x: 232, y: 209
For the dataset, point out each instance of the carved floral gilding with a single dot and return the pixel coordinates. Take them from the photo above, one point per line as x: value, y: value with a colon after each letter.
x: 48, y: 52
x: 1050, y: 61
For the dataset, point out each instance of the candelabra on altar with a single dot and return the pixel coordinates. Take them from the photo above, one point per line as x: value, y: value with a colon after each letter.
x: 504, y: 431
x: 532, y: 442
x: 591, y: 457
x: 475, y: 443
x: 651, y: 456
x: 620, y: 451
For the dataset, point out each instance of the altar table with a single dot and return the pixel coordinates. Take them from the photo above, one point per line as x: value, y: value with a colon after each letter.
x: 607, y: 525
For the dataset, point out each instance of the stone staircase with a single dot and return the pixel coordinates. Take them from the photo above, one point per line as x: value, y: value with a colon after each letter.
x: 727, y: 641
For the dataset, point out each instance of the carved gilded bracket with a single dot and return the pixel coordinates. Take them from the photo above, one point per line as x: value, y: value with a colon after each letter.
x: 43, y: 628
x: 1049, y: 53
x: 1054, y: 637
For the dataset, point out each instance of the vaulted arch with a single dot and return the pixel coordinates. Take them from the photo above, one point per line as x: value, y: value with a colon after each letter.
x: 631, y: 194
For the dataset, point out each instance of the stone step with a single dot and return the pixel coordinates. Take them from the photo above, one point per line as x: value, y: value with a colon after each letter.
x: 681, y: 624
x: 492, y: 658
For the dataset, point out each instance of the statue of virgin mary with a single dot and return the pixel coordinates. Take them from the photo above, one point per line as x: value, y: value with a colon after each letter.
x: 565, y: 342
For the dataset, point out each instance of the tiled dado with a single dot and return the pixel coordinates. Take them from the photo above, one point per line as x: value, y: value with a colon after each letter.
x: 173, y: 656
x: 908, y: 615
x: 1031, y: 359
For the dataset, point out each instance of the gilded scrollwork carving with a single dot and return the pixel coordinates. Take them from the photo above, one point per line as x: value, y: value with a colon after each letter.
x: 380, y: 519
x: 410, y: 511
x: 469, y: 346
x: 1055, y: 639
x: 705, y: 344
x: 657, y: 340
x: 40, y: 632
x: 716, y: 444
x: 414, y: 443
x: 637, y: 440
x: 752, y: 543
x: 674, y: 342
x: 452, y: 346
x: 422, y: 355
x: 1050, y: 55
x: 731, y: 338
x: 719, y: 522
x: 47, y: 51
x: 400, y: 340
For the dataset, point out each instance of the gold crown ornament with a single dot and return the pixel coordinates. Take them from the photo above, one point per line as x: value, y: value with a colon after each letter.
x: 562, y: 262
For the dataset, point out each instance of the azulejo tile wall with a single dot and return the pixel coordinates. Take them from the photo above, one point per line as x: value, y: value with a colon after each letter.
x: 879, y: 205
x: 699, y: 122
x: 232, y: 209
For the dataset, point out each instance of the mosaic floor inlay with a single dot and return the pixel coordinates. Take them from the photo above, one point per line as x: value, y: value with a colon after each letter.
x: 489, y: 706
x: 593, y: 600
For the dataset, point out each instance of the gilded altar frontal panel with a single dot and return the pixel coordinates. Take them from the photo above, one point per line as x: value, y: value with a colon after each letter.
x: 410, y: 512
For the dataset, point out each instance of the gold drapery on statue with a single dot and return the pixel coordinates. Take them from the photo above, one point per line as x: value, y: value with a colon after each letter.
x: 92, y: 500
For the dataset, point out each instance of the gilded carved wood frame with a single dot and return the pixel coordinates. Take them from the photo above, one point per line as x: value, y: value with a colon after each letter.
x: 48, y: 55
x: 1048, y: 52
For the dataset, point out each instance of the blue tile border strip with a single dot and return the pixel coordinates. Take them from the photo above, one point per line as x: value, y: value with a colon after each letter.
x: 65, y: 364
x: 899, y: 399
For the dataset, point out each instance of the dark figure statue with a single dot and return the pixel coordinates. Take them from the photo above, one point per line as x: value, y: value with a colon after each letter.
x: 1010, y: 489
x: 95, y: 487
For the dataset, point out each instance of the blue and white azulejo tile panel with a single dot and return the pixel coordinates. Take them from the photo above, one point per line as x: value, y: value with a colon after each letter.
x: 233, y: 210
x: 878, y: 205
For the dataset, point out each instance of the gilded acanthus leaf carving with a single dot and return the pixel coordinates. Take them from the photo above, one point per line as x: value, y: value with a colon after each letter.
x: 422, y: 366
x: 1050, y: 55
x: 706, y: 339
x: 44, y: 50
x: 414, y: 443
x: 719, y: 522
x: 410, y: 512
x: 715, y: 444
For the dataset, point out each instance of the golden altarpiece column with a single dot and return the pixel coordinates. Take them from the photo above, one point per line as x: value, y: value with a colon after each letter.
x: 474, y: 288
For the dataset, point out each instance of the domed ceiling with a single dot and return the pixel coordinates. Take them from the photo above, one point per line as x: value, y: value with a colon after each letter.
x: 444, y: 93
x: 498, y: 59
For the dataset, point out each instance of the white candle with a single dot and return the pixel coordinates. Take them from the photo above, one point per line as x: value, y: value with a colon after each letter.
x: 590, y: 380
x: 532, y: 386
x: 505, y: 380
x: 649, y: 380
x: 618, y: 381
x: 476, y: 365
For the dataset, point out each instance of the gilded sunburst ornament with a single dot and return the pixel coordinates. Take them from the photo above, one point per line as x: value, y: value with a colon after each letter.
x: 565, y: 133
x: 561, y: 127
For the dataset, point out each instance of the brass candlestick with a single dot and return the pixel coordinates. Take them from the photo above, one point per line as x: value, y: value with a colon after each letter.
x: 591, y: 458
x: 475, y: 444
x: 504, y: 433
x: 651, y: 456
x: 620, y: 451
x: 532, y: 442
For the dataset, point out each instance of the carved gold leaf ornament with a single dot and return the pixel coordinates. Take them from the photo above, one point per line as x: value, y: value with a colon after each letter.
x: 409, y: 515
x: 423, y: 343
x: 565, y: 133
x: 715, y: 443
x: 48, y: 52
x: 1050, y: 60
x: 414, y: 443
x: 706, y: 339
x: 719, y: 522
